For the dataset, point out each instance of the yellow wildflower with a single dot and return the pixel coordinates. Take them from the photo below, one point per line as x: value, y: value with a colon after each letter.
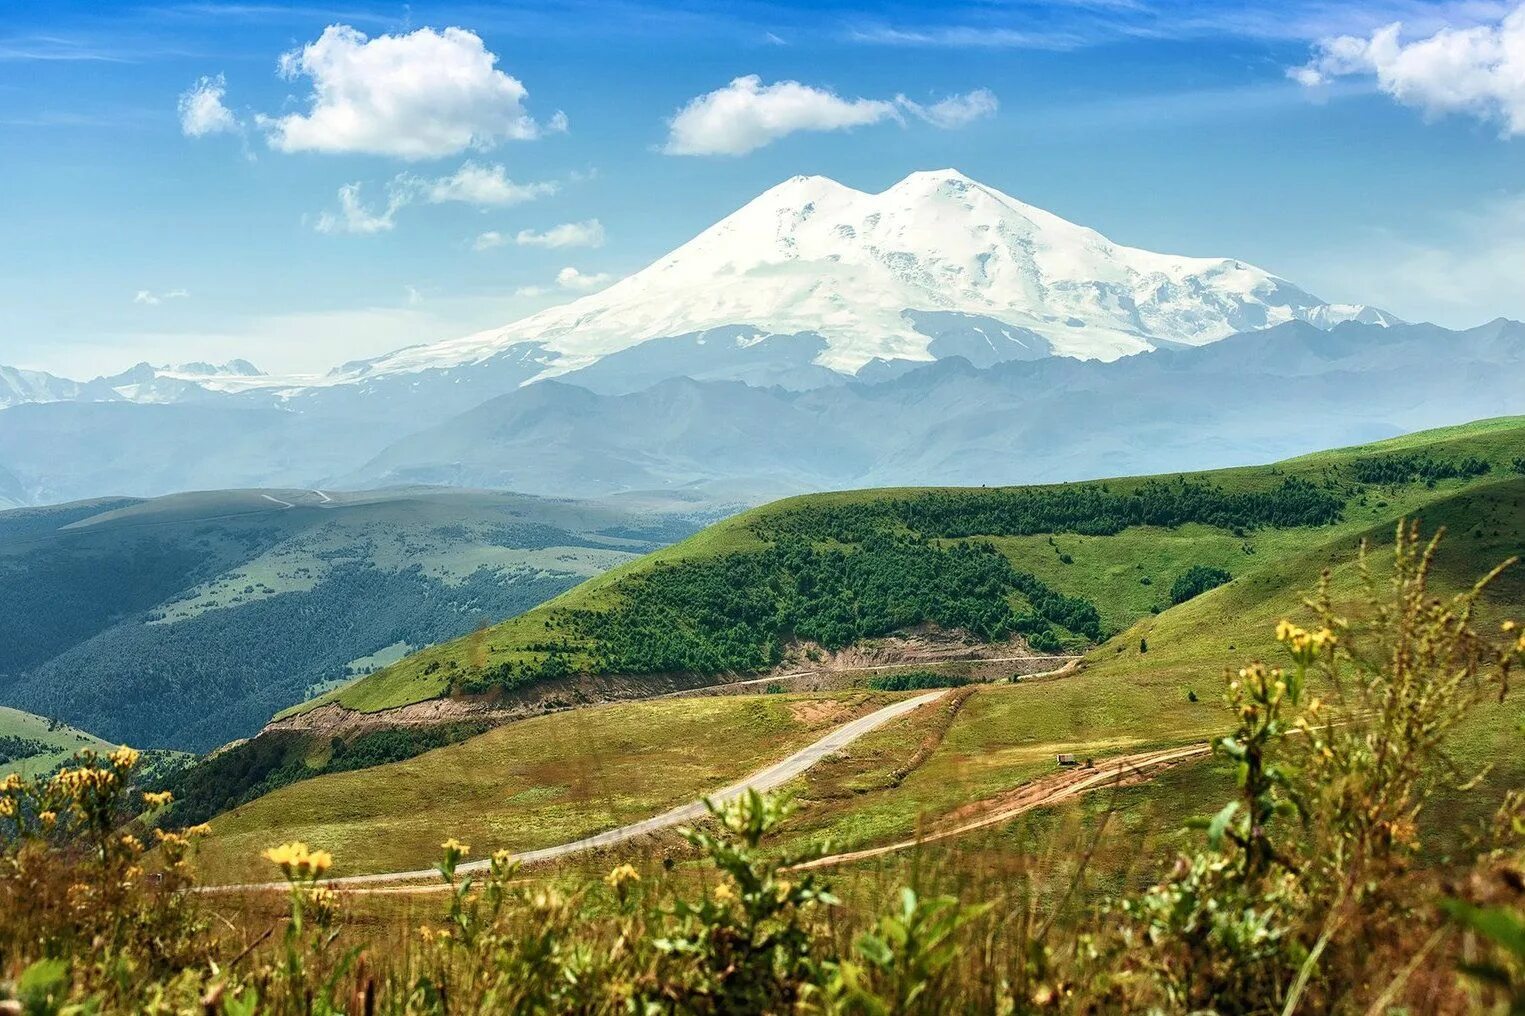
x: 7, y: 807
x: 47, y: 818
x: 132, y: 843
x: 455, y: 846
x: 124, y: 757
x: 622, y: 876
x: 158, y: 800
x: 199, y: 830
x: 296, y: 860
x: 1508, y: 626
x: 723, y: 893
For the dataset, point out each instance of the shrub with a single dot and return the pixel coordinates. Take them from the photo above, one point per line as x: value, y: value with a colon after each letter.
x: 916, y: 680
x: 1197, y: 580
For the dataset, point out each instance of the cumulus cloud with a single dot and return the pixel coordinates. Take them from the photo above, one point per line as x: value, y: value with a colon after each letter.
x: 571, y: 278
x: 153, y: 299
x: 488, y: 240
x: 568, y: 234
x: 956, y: 110
x: 1477, y: 70
x: 486, y: 186
x: 202, y: 111
x: 747, y: 114
x: 423, y: 95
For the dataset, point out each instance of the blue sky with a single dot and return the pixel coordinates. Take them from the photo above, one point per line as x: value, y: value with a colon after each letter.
x: 170, y: 194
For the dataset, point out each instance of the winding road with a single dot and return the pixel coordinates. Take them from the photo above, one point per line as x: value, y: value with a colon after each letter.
x: 769, y: 778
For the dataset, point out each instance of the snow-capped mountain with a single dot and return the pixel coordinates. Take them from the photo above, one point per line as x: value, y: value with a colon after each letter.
x: 810, y: 283
x: 141, y: 383
x: 936, y: 264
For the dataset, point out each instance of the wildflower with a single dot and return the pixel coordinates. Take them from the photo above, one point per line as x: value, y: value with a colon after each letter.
x: 502, y: 858
x: 723, y: 893
x: 11, y: 783
x: 7, y: 807
x: 295, y: 860
x: 158, y: 800
x: 456, y: 847
x: 47, y: 818
x: 172, y: 840
x: 124, y: 757
x: 622, y: 876
x: 1508, y: 626
x: 132, y: 843
x: 199, y: 830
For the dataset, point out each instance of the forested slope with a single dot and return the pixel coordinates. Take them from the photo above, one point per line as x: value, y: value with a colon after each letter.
x: 1062, y: 566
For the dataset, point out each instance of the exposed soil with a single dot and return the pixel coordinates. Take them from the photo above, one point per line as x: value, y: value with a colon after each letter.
x: 1049, y: 790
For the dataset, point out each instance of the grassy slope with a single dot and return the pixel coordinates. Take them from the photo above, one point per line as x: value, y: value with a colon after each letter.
x: 1127, y: 701
x: 1123, y: 701
x: 1106, y: 569
x: 530, y: 784
x: 64, y: 740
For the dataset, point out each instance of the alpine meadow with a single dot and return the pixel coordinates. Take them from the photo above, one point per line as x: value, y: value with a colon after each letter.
x: 580, y: 508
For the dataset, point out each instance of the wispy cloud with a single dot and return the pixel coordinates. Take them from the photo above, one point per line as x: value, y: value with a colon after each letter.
x: 152, y: 299
x: 1016, y: 24
x: 477, y: 184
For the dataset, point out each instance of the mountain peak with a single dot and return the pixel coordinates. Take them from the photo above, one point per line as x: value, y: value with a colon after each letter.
x: 937, y: 262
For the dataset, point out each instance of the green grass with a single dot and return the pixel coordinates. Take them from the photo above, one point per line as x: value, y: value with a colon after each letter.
x: 529, y: 784
x: 1108, y: 570
x: 63, y: 740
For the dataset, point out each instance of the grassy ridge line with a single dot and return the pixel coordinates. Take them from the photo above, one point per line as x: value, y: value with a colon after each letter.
x: 1122, y: 562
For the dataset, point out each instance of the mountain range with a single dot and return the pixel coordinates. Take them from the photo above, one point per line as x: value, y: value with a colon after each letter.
x: 939, y: 331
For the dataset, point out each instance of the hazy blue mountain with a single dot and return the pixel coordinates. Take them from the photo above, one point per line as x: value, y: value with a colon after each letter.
x: 186, y: 621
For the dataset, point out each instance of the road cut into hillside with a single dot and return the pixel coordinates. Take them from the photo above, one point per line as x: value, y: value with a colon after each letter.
x: 766, y: 779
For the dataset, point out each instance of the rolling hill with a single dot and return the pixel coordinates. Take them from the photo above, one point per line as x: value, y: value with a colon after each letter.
x: 1150, y: 678
x: 1058, y: 566
x: 184, y: 621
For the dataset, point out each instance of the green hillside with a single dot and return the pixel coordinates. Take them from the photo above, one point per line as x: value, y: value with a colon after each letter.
x: 554, y: 778
x: 1062, y: 566
x: 31, y: 744
x: 187, y: 620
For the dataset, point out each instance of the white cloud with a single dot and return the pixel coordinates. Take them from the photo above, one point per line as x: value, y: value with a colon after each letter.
x: 531, y: 291
x: 747, y: 114
x: 571, y: 278
x: 423, y: 95
x: 486, y: 186
x: 568, y: 234
x: 152, y: 299
x: 956, y: 110
x: 354, y: 217
x: 488, y: 240
x: 1477, y: 70
x: 202, y: 111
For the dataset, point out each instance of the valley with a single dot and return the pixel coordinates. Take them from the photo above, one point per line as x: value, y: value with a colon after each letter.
x: 1136, y: 678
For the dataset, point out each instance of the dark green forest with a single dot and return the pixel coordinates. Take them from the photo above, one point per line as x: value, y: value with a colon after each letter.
x: 199, y: 682
x: 1092, y: 509
x: 737, y: 612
